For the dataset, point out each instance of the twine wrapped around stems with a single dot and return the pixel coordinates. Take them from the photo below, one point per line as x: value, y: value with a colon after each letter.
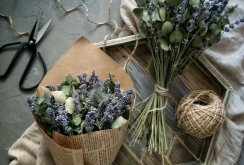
x: 161, y: 90
x: 201, y: 113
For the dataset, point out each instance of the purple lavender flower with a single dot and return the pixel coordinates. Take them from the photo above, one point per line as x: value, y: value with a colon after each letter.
x: 117, y: 92
x: 115, y: 108
x: 191, y: 25
x: 76, y: 100
x: 105, y: 85
x: 108, y: 117
x: 93, y: 80
x: 32, y: 103
x: 51, y: 116
x: 61, y: 118
x: 83, y: 89
x: 90, y: 119
x: 179, y: 12
x: 221, y: 6
x: 82, y: 78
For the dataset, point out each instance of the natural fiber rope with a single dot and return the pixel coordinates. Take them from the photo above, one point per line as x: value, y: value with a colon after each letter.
x: 10, y: 21
x: 161, y: 90
x: 200, y: 113
x: 70, y: 9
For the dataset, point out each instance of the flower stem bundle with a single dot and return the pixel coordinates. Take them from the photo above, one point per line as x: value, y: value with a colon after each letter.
x: 177, y: 32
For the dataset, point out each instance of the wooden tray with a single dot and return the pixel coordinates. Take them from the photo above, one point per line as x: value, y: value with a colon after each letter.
x: 184, y: 149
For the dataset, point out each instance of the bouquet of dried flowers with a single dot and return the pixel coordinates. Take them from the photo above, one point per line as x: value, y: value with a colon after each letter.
x: 80, y: 107
x: 177, y: 32
x: 88, y: 116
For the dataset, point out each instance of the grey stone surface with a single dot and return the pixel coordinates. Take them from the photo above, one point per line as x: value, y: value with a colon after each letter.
x: 65, y: 29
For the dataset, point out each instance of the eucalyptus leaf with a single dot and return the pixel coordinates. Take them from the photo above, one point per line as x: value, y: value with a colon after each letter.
x: 224, y: 21
x: 204, y: 31
x: 164, y: 45
x: 67, y: 89
x: 215, y: 39
x: 155, y: 16
x: 42, y: 108
x: 176, y: 37
x: 69, y: 79
x: 162, y: 14
x: 138, y: 12
x: 41, y: 100
x: 167, y: 27
x: 161, y: 1
x: 145, y: 16
x: 158, y: 25
x: 141, y: 3
x: 76, y: 120
x: 214, y: 28
x: 197, y: 42
x: 173, y: 3
x: 194, y: 3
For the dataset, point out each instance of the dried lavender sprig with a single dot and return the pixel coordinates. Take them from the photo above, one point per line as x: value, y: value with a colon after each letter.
x: 90, y: 120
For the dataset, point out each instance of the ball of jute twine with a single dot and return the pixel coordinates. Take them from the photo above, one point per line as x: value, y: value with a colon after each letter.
x: 200, y: 113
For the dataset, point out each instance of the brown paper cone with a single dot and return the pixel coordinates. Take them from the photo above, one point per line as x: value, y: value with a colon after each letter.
x: 63, y: 155
x: 85, y: 57
x: 97, y: 148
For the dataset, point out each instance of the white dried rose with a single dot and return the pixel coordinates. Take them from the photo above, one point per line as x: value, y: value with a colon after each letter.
x: 119, y: 122
x: 46, y: 92
x: 59, y: 96
x: 69, y: 105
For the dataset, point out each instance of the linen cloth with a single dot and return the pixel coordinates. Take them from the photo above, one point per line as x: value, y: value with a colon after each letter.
x: 227, y: 56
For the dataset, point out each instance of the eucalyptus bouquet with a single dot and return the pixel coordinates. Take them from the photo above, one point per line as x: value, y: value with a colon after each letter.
x: 75, y: 108
x: 177, y: 32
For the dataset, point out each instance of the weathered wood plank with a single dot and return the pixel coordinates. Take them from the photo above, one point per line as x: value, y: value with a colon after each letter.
x: 184, y: 149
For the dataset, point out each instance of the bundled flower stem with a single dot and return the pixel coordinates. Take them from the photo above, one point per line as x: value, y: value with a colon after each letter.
x: 177, y: 32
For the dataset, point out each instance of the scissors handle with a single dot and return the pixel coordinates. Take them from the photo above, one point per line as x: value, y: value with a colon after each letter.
x: 27, y: 69
x: 13, y: 61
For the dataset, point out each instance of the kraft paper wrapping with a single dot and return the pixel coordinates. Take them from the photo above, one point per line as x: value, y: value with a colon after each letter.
x: 96, y: 148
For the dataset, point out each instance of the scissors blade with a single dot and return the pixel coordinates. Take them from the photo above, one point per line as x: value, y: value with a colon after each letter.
x: 37, y: 26
x: 34, y: 31
x: 42, y: 31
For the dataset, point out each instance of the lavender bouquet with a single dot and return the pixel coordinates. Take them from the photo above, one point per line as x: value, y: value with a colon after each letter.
x: 84, y: 121
x: 84, y: 106
x: 177, y: 32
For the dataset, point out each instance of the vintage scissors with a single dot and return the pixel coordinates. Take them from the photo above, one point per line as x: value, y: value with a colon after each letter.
x: 30, y: 45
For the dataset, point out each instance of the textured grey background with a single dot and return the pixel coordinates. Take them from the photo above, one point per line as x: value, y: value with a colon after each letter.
x: 65, y: 29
